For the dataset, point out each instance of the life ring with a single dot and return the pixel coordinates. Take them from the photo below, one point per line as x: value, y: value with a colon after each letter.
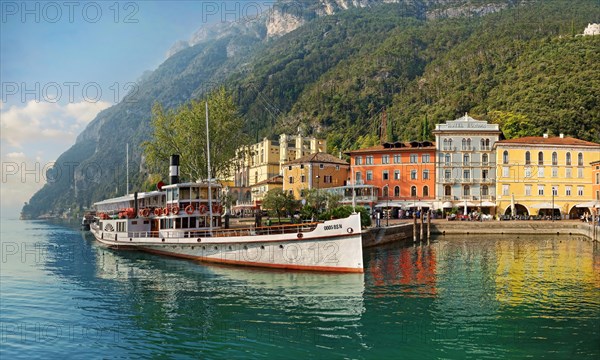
x: 175, y: 210
x: 189, y: 209
x: 157, y: 211
x: 165, y: 211
x: 141, y: 212
x: 217, y: 209
x: 202, y: 209
x: 146, y: 212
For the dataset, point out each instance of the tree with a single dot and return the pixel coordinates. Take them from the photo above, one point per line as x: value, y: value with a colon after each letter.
x: 279, y: 201
x: 182, y: 131
x: 515, y: 125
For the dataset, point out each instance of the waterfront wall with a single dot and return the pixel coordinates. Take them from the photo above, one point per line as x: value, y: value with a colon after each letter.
x: 404, y: 232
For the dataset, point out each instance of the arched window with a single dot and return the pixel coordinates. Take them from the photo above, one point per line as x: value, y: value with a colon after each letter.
x: 468, y: 144
x: 447, y: 190
x: 425, y: 190
x: 527, y: 158
x: 484, y: 190
x: 505, y: 157
x: 484, y: 159
x: 554, y: 158
x: 449, y: 144
x: 487, y: 144
x: 385, y: 191
x: 540, y: 158
x: 466, y: 190
x: 580, y: 159
x: 568, y: 159
x: 413, y: 191
x: 447, y: 159
x: 445, y: 144
x: 482, y: 144
x: 256, y: 177
x: 464, y: 144
x: 397, y: 191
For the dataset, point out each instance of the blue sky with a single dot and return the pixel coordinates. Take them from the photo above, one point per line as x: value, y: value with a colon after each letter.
x: 61, y: 62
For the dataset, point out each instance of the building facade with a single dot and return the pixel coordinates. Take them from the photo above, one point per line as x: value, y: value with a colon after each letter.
x: 314, y: 171
x: 402, y: 173
x: 596, y: 181
x: 264, y: 160
x: 465, y: 168
x: 545, y: 176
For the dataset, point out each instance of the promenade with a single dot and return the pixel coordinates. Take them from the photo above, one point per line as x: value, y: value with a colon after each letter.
x: 403, y: 230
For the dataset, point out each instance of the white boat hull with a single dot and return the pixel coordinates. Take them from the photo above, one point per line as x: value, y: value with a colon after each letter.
x: 334, y: 245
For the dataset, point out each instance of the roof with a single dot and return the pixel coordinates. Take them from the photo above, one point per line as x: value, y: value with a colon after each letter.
x: 396, y: 146
x: 319, y: 157
x: 277, y: 180
x: 539, y: 140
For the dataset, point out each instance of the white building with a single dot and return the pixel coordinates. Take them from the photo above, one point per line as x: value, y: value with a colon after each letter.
x: 592, y: 29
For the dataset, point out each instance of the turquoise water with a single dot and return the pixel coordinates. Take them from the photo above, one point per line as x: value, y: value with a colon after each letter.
x: 65, y: 296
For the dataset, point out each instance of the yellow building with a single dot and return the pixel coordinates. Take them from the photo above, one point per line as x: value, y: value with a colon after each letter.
x: 315, y: 171
x: 259, y: 190
x: 537, y: 174
x: 263, y: 160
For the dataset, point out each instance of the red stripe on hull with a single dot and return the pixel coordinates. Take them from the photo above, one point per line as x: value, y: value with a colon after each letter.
x: 257, y: 264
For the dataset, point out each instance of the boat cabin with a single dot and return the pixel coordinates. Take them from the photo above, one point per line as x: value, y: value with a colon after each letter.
x: 170, y: 212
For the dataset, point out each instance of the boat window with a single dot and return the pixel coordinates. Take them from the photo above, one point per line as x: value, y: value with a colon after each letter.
x: 176, y: 194
x: 169, y: 195
x: 195, y: 193
x: 192, y: 223
x: 185, y: 193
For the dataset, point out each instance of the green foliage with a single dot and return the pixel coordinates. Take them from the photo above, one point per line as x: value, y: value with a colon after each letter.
x: 182, y: 131
x: 279, y: 202
x: 515, y: 125
x: 344, y: 211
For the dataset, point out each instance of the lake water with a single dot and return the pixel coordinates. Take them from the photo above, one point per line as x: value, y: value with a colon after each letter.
x: 65, y: 296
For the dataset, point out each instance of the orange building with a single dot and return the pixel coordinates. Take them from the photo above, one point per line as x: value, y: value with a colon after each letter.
x: 402, y: 173
x: 314, y: 171
x: 596, y: 180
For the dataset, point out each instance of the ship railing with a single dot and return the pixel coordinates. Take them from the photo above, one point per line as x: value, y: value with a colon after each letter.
x: 204, y: 233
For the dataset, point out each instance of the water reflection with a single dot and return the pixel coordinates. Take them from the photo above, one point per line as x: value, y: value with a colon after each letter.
x: 410, y: 270
x: 212, y: 305
x: 456, y: 297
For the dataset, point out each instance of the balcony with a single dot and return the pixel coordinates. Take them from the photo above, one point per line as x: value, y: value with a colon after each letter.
x: 467, y: 148
x: 448, y: 181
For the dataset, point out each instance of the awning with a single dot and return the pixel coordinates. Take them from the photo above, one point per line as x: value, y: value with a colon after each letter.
x: 420, y: 204
x: 488, y: 204
x: 447, y: 204
x: 392, y: 204
x: 545, y: 206
x: 589, y: 204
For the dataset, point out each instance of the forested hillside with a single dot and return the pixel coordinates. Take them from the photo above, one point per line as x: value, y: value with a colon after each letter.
x: 521, y: 65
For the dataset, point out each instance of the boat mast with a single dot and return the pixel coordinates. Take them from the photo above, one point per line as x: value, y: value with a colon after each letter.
x: 210, y: 212
x: 127, y: 167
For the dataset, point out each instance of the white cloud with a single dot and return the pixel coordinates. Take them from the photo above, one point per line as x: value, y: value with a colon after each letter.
x: 42, y: 121
x: 33, y: 136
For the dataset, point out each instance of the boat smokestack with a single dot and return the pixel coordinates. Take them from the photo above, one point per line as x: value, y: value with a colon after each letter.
x: 174, y: 169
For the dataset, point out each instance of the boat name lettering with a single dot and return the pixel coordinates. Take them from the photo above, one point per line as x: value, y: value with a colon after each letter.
x: 333, y: 227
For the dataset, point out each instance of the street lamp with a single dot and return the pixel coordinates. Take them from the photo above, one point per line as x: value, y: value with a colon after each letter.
x: 387, y: 215
x: 553, y: 204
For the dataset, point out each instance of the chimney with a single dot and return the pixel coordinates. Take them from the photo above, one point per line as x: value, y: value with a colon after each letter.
x: 545, y: 135
x: 174, y: 169
x: 562, y: 136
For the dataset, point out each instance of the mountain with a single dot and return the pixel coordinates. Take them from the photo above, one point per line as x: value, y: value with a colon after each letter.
x: 331, y: 67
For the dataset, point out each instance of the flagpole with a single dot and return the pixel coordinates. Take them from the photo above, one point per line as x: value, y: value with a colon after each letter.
x: 210, y: 212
